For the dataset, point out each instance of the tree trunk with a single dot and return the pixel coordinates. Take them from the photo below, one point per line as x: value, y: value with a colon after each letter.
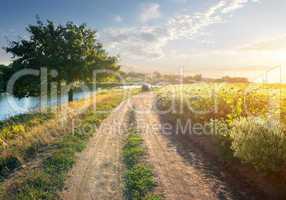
x: 59, y: 100
x: 70, y: 95
x: 59, y: 96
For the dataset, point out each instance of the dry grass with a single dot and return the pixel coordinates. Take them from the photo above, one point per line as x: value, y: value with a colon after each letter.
x: 26, y: 138
x: 47, y: 152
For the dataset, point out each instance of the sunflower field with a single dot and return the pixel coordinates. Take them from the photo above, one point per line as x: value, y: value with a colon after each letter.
x: 251, y: 118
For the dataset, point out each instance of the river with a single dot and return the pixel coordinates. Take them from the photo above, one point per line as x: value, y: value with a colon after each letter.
x: 11, y: 106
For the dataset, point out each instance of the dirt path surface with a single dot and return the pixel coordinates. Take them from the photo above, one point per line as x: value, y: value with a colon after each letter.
x: 97, y: 174
x: 182, y: 172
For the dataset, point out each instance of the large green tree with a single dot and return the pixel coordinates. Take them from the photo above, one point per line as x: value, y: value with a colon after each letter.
x: 72, y: 50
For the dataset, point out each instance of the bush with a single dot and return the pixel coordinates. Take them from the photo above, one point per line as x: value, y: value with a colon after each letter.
x: 221, y: 130
x: 7, y: 165
x: 12, y: 131
x: 259, y: 142
x: 59, y: 162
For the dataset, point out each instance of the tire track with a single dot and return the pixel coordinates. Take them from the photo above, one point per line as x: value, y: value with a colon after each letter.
x: 178, y: 179
x: 97, y: 173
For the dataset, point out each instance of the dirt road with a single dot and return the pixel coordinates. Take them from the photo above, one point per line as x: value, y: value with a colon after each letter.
x: 97, y: 174
x: 183, y: 173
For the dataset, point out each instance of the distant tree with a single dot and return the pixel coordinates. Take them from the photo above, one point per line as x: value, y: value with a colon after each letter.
x: 72, y: 50
x: 189, y: 79
x: 156, y: 77
x: 171, y: 78
x: 234, y: 79
x: 198, y: 77
x: 135, y: 77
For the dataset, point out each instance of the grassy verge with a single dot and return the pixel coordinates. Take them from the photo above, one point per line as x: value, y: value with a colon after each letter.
x: 139, y: 179
x: 23, y: 137
x: 13, y: 129
x: 46, y: 179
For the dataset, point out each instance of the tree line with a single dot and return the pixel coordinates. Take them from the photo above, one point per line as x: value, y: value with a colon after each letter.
x: 159, y: 78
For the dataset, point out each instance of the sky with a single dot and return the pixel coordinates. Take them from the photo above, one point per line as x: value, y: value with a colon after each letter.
x: 209, y: 37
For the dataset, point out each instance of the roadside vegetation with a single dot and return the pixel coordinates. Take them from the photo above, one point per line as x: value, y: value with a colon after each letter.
x: 139, y: 178
x: 45, y: 152
x: 24, y: 136
x: 248, y: 120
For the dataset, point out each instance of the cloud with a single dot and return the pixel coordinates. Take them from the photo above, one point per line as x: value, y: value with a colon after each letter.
x: 236, y: 4
x: 143, y: 41
x: 149, y: 12
x: 146, y: 41
x: 274, y: 44
x: 186, y: 26
x: 179, y: 1
x: 118, y: 18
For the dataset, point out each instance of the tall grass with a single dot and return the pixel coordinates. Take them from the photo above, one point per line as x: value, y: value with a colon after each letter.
x: 260, y: 142
x: 247, y: 119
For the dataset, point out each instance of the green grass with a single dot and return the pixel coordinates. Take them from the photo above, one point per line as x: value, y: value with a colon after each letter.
x: 139, y: 179
x: 47, y: 180
x: 133, y: 150
x: 29, y: 119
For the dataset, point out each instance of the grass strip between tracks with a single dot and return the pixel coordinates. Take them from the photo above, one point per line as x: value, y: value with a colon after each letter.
x: 139, y: 179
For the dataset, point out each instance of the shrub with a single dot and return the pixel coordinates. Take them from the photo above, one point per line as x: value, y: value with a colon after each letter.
x: 59, y: 162
x: 221, y: 130
x: 7, y: 165
x: 12, y: 131
x: 259, y: 142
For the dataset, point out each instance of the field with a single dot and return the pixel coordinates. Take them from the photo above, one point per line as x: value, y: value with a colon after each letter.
x: 248, y: 119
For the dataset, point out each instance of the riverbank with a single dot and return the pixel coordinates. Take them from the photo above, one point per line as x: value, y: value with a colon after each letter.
x: 34, y: 147
x: 12, y: 106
